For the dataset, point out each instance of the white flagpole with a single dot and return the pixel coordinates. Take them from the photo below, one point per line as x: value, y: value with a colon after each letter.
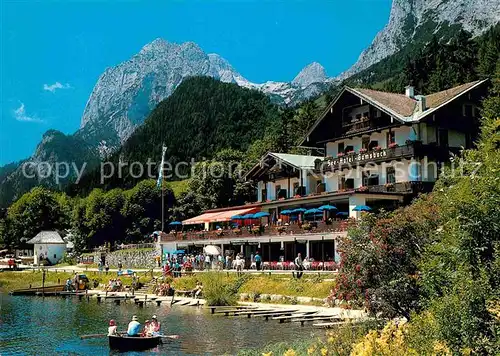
x: 160, y: 181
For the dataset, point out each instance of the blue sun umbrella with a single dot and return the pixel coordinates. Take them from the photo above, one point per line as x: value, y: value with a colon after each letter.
x: 260, y: 214
x: 247, y: 216
x: 327, y: 207
x: 342, y: 213
x: 237, y: 217
x: 175, y: 223
x: 312, y: 211
x: 361, y: 208
x: 299, y: 211
x: 286, y: 212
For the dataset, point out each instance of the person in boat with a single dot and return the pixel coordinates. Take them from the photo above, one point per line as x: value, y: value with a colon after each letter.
x: 112, y: 328
x: 133, y: 327
x: 146, y: 332
x: 154, y: 326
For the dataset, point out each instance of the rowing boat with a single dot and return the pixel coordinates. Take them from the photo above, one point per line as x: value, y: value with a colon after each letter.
x: 131, y: 343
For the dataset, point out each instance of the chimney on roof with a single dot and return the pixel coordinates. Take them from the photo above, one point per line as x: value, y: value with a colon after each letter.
x: 421, y: 104
x: 410, y: 91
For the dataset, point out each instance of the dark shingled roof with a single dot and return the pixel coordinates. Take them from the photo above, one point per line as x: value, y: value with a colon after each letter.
x: 405, y: 106
x: 399, y: 103
x: 436, y: 99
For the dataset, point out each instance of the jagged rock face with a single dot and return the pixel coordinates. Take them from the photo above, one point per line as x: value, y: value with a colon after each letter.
x: 124, y: 95
x: 409, y: 18
x: 313, y: 73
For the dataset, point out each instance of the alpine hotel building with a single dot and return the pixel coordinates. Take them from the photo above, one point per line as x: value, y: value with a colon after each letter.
x: 371, y: 148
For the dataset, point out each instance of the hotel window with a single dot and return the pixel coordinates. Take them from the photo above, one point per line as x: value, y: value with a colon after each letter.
x: 365, y: 114
x: 391, y: 137
x: 342, y: 183
x: 443, y: 137
x: 264, y: 194
x: 341, y: 147
x: 296, y: 188
x: 390, y: 174
x: 372, y: 145
x: 468, y: 110
x: 365, y: 142
x: 349, y: 183
x: 278, y: 190
x: 358, y: 117
x: 320, y: 186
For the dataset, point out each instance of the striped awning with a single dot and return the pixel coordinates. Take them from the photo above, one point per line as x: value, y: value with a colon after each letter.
x: 220, y: 216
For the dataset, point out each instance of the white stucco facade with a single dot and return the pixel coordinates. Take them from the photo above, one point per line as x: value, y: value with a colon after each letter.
x: 52, y: 252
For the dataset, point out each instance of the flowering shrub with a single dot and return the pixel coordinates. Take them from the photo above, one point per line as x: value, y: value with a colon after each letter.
x: 351, y: 152
x: 363, y: 188
x: 363, y: 150
x: 377, y: 266
x: 340, y: 154
x: 377, y: 148
x: 393, y: 145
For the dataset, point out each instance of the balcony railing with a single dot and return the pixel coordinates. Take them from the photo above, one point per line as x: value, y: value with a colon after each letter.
x: 413, y: 187
x: 244, y: 232
x: 375, y: 155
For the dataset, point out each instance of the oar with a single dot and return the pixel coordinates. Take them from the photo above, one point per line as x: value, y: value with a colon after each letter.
x: 92, y: 336
x: 169, y: 336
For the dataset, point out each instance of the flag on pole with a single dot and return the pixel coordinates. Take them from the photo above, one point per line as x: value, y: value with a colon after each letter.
x: 160, y: 173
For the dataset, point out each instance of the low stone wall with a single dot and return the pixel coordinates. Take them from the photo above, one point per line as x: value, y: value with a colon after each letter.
x: 131, y: 258
x: 278, y: 298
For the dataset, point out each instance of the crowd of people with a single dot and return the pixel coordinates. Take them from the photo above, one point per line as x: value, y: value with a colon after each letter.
x: 175, y: 264
x: 114, y: 285
x: 163, y: 288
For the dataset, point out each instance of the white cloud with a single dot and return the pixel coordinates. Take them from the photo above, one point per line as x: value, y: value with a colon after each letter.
x: 20, y: 115
x: 53, y: 87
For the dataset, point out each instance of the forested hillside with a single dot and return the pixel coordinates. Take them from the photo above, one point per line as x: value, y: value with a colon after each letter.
x: 201, y: 118
x: 435, y: 62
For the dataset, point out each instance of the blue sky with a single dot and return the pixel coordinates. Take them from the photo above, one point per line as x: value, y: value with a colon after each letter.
x: 52, y: 52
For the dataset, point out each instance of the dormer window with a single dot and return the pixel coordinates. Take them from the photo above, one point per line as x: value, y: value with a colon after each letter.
x: 470, y: 110
x: 341, y: 147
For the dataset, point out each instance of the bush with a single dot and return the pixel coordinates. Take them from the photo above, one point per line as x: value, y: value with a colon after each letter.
x: 217, y: 292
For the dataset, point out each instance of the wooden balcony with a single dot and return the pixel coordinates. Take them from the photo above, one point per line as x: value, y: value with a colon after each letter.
x: 355, y: 159
x: 413, y: 187
x: 319, y: 227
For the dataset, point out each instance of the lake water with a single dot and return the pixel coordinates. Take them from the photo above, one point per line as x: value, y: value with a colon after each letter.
x: 52, y: 325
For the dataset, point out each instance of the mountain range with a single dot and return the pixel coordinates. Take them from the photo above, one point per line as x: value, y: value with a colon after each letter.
x: 126, y: 94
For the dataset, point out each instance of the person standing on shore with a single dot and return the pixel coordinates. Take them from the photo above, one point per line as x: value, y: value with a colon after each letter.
x: 258, y: 261
x: 299, y: 267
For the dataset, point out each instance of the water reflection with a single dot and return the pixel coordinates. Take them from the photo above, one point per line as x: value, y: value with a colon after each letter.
x: 37, y: 326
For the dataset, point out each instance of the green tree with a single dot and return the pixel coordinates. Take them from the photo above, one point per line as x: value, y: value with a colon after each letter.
x: 37, y: 210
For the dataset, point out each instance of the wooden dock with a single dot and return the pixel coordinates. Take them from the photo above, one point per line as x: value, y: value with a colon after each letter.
x: 35, y: 290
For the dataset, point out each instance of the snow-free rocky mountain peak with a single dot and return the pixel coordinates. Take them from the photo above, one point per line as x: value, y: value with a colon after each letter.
x: 410, y: 19
x: 124, y: 95
x: 313, y: 73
